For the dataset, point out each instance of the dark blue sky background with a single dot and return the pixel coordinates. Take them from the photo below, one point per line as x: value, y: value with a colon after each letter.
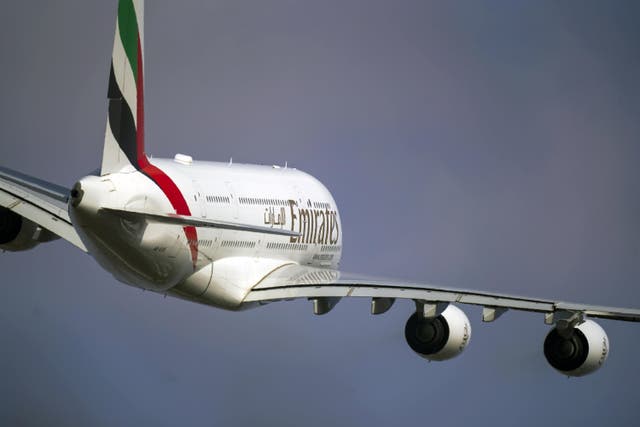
x: 486, y: 145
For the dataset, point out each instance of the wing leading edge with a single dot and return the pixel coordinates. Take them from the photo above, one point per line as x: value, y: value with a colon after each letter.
x: 185, y: 220
x: 39, y: 201
x: 295, y: 281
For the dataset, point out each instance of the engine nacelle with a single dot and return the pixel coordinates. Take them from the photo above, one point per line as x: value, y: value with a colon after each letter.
x: 441, y: 337
x: 19, y: 234
x: 582, y: 350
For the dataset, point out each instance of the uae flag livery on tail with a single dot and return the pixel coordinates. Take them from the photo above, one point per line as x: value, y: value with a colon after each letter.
x: 124, y: 136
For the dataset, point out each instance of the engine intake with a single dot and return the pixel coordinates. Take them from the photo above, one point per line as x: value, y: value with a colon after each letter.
x: 10, y: 225
x: 19, y: 234
x: 438, y: 338
x: 577, y: 351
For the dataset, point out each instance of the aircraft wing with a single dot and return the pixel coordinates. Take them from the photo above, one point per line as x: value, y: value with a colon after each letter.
x: 185, y: 220
x: 325, y: 287
x: 39, y: 201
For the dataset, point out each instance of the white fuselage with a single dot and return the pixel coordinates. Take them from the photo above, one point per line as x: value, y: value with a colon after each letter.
x: 209, y: 265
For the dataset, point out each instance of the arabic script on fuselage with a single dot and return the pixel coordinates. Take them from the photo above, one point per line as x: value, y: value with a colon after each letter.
x: 316, y: 226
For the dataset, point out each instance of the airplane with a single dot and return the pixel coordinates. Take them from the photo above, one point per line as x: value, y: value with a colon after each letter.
x: 238, y: 236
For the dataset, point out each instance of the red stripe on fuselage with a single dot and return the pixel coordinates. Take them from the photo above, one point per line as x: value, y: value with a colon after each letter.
x: 142, y: 158
x: 162, y: 180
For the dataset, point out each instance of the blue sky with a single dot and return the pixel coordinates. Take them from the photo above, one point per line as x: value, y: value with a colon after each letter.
x: 484, y: 145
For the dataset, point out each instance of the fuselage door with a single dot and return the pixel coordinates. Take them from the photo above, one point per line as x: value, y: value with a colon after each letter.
x: 232, y: 199
x: 200, y: 200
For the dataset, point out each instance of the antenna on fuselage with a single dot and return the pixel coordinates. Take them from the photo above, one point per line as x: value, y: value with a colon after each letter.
x: 230, y: 161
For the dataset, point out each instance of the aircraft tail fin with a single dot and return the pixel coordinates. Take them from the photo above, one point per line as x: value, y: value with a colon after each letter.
x: 124, y: 135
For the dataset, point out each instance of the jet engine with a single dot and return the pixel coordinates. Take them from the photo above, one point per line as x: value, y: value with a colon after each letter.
x: 19, y: 234
x: 441, y: 337
x: 577, y: 351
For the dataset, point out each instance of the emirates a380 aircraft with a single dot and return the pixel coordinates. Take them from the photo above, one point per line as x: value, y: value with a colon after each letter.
x: 237, y: 236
